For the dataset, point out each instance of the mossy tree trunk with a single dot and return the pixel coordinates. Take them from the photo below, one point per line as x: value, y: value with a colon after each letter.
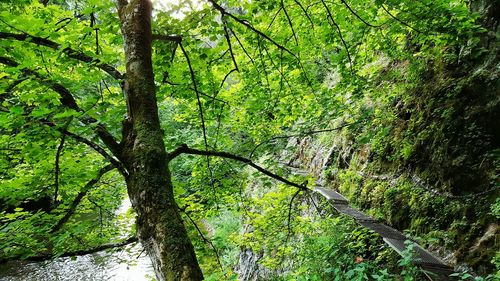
x: 159, y: 224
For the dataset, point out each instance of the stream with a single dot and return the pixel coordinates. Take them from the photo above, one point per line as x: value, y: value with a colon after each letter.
x: 128, y: 263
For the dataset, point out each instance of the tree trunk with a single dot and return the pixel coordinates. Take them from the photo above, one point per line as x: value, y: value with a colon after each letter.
x: 159, y: 224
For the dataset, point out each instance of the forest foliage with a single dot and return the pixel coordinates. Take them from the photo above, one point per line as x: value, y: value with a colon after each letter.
x: 234, y: 76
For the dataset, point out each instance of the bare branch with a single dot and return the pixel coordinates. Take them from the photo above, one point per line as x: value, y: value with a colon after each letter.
x: 184, y: 149
x: 68, y: 51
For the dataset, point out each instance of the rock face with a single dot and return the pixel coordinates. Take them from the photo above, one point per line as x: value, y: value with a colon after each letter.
x: 434, y: 172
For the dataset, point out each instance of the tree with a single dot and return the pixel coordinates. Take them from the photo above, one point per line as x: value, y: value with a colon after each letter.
x: 277, y: 89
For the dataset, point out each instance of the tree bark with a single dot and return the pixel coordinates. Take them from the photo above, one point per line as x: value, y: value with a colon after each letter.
x: 159, y: 224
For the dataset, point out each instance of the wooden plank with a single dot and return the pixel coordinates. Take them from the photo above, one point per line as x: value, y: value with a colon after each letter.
x: 422, y: 256
x: 330, y: 194
x: 433, y: 267
x: 350, y: 211
x: 383, y: 230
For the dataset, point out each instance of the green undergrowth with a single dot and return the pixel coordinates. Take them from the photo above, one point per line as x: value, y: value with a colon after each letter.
x: 307, y: 241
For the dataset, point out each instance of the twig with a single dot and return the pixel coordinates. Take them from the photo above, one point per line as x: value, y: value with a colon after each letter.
x: 355, y: 14
x: 400, y: 21
x: 204, y: 238
x: 247, y: 25
x: 339, y: 32
x: 305, y: 12
x: 200, y: 108
x: 289, y: 22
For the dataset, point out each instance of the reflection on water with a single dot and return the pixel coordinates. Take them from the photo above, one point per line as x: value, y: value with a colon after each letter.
x: 127, y: 263
x: 120, y: 265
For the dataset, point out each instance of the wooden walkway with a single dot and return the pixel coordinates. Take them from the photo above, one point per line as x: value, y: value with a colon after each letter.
x: 434, y: 268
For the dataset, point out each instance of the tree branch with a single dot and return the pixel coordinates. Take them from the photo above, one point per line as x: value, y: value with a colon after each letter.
x: 57, y: 162
x: 225, y: 77
x: 306, y: 133
x: 289, y: 22
x: 247, y: 25
x: 241, y: 45
x: 356, y: 15
x: 290, y: 206
x: 305, y: 12
x: 339, y: 32
x: 183, y: 210
x: 400, y: 21
x: 169, y: 38
x: 184, y: 149
x: 103, y: 247
x: 200, y: 108
x: 228, y: 40
x: 92, y: 145
x: 68, y: 51
x: 78, y: 198
x: 67, y: 99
